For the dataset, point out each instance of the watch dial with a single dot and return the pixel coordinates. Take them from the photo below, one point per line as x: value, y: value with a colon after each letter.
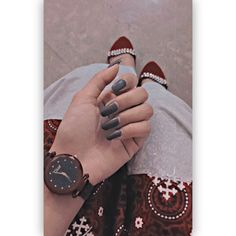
x: 63, y: 174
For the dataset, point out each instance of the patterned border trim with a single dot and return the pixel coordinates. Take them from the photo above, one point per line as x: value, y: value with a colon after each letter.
x: 119, y: 230
x: 52, y: 126
x: 99, y: 187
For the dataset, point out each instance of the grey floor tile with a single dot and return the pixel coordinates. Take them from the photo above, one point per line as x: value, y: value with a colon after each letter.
x: 80, y: 32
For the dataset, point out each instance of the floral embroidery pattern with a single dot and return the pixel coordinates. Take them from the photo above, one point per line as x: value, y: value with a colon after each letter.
x: 82, y: 228
x: 100, y: 211
x: 138, y: 222
x: 156, y: 181
x: 168, y: 190
x: 135, y: 204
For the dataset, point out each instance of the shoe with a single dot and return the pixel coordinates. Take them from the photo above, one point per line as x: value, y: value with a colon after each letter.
x: 153, y: 71
x: 121, y: 46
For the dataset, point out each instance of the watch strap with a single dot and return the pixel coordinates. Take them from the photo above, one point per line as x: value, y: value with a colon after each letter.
x: 86, y: 190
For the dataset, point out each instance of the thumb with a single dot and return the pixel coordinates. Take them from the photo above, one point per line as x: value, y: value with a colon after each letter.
x: 100, y: 81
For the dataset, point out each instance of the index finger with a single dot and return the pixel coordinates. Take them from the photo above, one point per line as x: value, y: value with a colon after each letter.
x: 100, y: 81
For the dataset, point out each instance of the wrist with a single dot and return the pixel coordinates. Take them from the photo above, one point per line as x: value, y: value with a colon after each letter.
x: 90, y: 163
x: 59, y: 149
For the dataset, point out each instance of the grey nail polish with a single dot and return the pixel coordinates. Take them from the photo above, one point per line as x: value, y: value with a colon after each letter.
x: 114, y: 135
x: 114, y: 63
x: 120, y: 84
x: 111, y: 123
x: 108, y: 110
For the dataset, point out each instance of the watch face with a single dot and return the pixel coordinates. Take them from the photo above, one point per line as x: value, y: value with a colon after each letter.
x: 63, y: 174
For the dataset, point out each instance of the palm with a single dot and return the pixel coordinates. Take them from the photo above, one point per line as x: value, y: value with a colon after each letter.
x: 80, y: 131
x: 84, y: 137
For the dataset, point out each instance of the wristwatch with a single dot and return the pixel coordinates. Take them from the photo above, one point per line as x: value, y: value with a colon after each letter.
x: 63, y: 175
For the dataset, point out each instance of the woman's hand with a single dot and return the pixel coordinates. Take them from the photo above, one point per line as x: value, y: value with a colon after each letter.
x: 104, y: 138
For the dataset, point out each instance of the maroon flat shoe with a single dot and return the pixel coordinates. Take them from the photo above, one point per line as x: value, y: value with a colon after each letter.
x: 153, y: 71
x: 121, y: 46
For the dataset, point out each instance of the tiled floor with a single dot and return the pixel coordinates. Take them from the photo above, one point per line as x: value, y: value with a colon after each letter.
x: 79, y: 32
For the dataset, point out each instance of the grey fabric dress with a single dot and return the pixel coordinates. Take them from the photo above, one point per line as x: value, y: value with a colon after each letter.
x: 167, y: 153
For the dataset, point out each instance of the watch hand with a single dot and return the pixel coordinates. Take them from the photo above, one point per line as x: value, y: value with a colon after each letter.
x: 56, y: 171
x: 64, y: 174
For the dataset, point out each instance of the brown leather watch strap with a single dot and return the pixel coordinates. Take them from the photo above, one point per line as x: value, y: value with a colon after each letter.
x: 87, y: 191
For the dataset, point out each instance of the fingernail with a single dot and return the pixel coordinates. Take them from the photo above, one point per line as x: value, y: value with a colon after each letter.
x: 118, y: 61
x: 114, y: 135
x: 108, y: 110
x: 111, y: 123
x: 120, y: 84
